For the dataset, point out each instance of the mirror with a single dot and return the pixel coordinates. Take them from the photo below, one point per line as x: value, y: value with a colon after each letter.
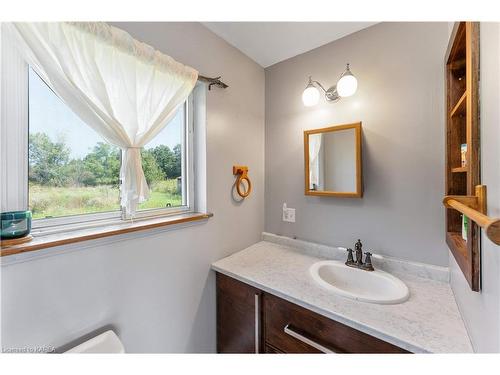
x: 333, y: 161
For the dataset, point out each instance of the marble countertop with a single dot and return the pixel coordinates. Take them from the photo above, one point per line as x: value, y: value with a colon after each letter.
x: 428, y: 322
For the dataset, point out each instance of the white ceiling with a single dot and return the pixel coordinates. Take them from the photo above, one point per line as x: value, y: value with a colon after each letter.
x: 268, y: 43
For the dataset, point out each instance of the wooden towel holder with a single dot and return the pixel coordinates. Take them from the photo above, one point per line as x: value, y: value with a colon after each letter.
x: 242, y: 172
x: 474, y: 207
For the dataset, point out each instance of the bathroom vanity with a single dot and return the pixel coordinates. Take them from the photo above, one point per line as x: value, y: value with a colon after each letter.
x: 269, y: 302
x: 250, y: 320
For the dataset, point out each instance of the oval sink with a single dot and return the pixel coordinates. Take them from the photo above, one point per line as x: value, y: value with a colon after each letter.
x: 366, y: 286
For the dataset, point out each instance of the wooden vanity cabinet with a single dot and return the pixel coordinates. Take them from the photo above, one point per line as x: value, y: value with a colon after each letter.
x: 252, y: 321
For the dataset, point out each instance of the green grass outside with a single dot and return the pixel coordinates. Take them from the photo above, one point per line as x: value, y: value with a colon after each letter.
x: 50, y: 201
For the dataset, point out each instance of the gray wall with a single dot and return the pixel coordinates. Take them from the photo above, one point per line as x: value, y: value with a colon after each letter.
x: 481, y: 311
x: 155, y: 289
x: 399, y: 67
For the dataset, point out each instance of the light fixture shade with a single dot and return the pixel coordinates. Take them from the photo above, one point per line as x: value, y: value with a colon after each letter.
x: 310, y: 96
x: 347, y: 84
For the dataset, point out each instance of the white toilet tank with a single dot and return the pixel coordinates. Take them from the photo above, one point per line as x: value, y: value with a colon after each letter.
x: 107, y: 342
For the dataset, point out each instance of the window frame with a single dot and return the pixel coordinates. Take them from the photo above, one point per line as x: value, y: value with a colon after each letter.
x: 15, y: 156
x: 14, y: 121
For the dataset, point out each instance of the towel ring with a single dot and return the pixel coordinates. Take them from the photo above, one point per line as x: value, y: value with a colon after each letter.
x: 242, y: 172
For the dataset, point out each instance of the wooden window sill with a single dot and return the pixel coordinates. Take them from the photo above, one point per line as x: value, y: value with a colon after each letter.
x: 50, y: 240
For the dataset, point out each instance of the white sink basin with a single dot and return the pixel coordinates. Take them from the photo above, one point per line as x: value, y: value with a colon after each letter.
x: 366, y: 286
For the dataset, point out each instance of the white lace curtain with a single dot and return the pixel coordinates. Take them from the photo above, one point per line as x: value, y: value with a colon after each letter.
x: 315, y: 141
x: 124, y: 89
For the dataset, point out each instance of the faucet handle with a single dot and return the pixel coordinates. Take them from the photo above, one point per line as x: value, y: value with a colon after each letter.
x: 350, y: 258
x: 368, y: 262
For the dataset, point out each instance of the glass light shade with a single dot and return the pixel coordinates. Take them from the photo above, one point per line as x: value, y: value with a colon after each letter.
x: 347, y: 84
x: 310, y: 96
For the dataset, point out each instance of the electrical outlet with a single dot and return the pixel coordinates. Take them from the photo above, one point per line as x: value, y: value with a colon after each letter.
x: 288, y: 214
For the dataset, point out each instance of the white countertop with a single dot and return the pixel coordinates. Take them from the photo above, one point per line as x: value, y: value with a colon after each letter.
x: 429, y: 322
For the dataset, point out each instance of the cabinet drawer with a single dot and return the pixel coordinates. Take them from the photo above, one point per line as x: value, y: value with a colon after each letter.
x: 308, y: 332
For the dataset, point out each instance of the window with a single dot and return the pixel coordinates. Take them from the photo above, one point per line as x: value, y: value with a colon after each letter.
x: 164, y: 164
x: 69, y: 176
x: 65, y: 172
x: 73, y: 171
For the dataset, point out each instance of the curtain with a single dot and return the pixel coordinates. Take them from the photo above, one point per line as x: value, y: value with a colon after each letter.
x: 124, y: 89
x: 314, y: 149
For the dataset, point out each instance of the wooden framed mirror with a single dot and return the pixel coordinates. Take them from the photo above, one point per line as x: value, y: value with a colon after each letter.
x: 333, y: 161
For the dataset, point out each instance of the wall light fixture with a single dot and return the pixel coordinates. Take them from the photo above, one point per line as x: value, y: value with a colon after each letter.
x: 346, y: 86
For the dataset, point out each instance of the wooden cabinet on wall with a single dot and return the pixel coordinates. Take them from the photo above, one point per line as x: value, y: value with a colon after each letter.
x: 252, y: 321
x: 462, y: 131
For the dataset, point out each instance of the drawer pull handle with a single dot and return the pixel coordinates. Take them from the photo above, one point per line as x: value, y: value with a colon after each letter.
x: 306, y: 340
x: 257, y: 322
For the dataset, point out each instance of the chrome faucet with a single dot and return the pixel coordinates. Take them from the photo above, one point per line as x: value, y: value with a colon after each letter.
x: 358, y: 263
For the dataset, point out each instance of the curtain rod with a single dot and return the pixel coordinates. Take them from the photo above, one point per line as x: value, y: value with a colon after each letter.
x: 212, y: 82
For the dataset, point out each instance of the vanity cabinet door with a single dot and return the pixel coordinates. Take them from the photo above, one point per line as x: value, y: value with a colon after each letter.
x: 238, y: 316
x: 293, y: 329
